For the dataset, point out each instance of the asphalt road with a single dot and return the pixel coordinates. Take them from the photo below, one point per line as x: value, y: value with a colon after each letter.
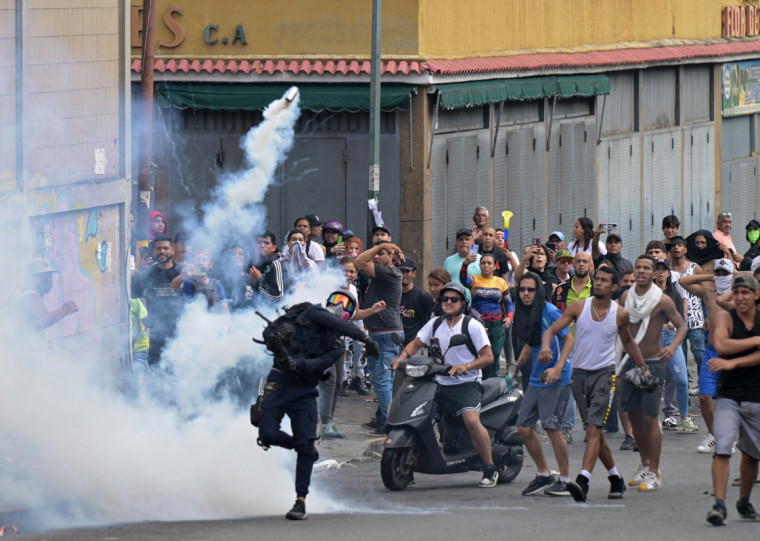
x: 453, y: 507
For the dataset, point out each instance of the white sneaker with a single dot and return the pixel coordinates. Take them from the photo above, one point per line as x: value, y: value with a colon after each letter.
x: 707, y: 445
x: 686, y: 426
x: 670, y: 423
x: 694, y: 391
x: 652, y: 481
x: 639, y: 476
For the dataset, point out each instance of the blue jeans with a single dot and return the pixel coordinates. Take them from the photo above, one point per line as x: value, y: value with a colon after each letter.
x: 678, y: 375
x: 380, y: 373
x: 696, y: 338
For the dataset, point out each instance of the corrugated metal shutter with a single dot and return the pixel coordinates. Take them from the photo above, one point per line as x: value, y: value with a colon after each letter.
x: 499, y: 179
x: 619, y: 189
x: 483, y: 188
x: 455, y: 169
x: 697, y: 89
x: 524, y: 183
x: 661, y: 182
x: 738, y: 191
x: 659, y: 93
x: 440, y: 216
x: 699, y: 179
x: 736, y: 137
x: 559, y: 176
x: 538, y: 193
x: 619, y: 110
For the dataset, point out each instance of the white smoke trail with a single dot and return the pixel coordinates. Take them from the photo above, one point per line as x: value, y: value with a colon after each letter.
x: 66, y: 440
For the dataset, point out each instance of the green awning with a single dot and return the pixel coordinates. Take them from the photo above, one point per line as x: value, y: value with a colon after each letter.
x: 470, y: 94
x: 250, y: 97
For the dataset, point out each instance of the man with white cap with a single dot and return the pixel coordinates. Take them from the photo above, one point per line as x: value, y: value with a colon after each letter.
x: 38, y: 283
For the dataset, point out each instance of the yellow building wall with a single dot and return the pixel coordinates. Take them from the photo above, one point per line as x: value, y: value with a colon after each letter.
x: 286, y: 28
x: 452, y: 28
x: 424, y: 29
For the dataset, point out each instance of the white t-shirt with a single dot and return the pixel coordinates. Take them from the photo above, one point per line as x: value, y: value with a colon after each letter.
x: 574, y: 249
x: 459, y: 354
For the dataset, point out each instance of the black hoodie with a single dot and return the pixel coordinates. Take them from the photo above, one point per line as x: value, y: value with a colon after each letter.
x: 754, y: 249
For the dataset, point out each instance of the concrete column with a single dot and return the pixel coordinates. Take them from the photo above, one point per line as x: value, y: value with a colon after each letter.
x: 416, y: 185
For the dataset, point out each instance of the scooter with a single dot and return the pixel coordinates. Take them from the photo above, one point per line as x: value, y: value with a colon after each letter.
x: 419, y: 442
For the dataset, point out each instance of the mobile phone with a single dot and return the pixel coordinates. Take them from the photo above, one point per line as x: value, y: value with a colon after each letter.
x: 340, y: 239
x: 552, y: 246
x: 474, y: 249
x: 143, y: 251
x: 536, y: 242
x: 542, y: 376
x: 609, y: 227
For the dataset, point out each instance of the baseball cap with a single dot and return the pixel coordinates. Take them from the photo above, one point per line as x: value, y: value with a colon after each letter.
x: 463, y: 232
x: 724, y: 264
x: 563, y: 254
x: 615, y: 235
x: 380, y: 228
x: 661, y: 261
x: 675, y: 240
x: 313, y: 220
x: 39, y: 265
x: 745, y: 280
x: 559, y: 234
x: 408, y: 264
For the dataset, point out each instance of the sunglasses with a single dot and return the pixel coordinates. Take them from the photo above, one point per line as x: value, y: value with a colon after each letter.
x: 342, y: 299
x: 446, y: 298
x: 528, y: 289
x: 724, y: 214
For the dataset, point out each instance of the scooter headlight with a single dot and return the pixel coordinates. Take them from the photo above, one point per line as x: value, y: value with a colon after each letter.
x: 415, y: 371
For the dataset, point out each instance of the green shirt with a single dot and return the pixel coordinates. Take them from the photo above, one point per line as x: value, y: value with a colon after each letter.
x: 573, y: 296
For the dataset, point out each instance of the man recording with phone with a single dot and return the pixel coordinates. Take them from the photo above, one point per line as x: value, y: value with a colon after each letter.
x: 614, y: 245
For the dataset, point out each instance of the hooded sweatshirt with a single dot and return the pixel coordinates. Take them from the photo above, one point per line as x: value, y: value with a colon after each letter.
x: 151, y: 232
x: 754, y: 248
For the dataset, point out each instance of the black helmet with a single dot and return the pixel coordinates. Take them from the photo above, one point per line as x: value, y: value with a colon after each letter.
x: 456, y: 286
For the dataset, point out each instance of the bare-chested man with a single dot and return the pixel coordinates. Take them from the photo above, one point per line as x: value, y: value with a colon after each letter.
x: 647, y: 308
x: 708, y: 287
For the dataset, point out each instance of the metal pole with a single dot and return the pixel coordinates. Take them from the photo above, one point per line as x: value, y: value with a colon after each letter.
x: 374, y: 114
x: 145, y: 168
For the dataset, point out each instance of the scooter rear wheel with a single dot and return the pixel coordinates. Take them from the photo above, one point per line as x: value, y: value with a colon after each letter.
x: 397, y: 468
x: 510, y: 463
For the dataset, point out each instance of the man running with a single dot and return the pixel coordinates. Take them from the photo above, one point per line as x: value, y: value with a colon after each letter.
x: 648, y: 308
x: 737, y: 407
x: 598, y: 322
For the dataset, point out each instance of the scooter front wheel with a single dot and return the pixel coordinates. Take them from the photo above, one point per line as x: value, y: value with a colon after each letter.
x: 397, y: 467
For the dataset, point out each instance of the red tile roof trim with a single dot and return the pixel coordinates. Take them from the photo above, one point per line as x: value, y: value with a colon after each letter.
x: 524, y: 62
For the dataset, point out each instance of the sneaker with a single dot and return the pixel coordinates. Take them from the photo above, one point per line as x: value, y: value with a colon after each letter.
x: 717, y: 515
x: 617, y: 487
x: 694, y: 390
x: 490, y: 477
x: 539, y: 484
x: 747, y: 512
x: 557, y: 489
x: 345, y: 389
x: 377, y: 432
x: 707, y: 445
x: 686, y: 426
x: 670, y: 423
x: 357, y: 384
x: 372, y: 424
x: 298, y: 512
x: 329, y: 432
x: 639, y: 476
x: 628, y: 444
x: 651, y: 482
x: 567, y: 433
x: 578, y: 489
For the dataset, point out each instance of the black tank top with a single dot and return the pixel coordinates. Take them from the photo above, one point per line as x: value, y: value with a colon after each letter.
x: 741, y: 384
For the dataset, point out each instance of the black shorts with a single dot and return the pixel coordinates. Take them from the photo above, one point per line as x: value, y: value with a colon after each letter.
x: 455, y: 399
x: 632, y: 399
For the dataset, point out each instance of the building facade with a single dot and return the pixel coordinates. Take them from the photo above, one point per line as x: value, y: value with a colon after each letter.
x: 65, y: 167
x: 619, y: 111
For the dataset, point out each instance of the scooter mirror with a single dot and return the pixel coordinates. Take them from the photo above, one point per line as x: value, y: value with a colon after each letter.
x: 457, y: 340
x: 396, y: 339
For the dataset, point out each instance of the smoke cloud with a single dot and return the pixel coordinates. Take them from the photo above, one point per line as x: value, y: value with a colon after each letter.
x: 76, y: 453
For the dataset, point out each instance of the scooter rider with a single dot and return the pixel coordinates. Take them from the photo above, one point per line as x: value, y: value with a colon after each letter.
x: 460, y: 392
x: 292, y: 385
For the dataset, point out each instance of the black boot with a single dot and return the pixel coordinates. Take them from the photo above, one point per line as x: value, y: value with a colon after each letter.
x: 298, y: 512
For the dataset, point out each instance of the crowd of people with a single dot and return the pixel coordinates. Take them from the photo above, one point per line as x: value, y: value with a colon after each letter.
x: 583, y: 326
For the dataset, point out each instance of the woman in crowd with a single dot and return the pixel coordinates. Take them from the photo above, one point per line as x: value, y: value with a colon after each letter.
x: 157, y: 225
x: 677, y: 364
x: 536, y: 260
x: 583, y: 232
x: 436, y: 280
x: 490, y: 297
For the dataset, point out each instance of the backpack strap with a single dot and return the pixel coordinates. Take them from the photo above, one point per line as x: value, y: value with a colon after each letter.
x: 465, y: 331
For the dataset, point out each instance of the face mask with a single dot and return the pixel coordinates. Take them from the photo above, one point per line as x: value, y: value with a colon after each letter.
x: 723, y: 283
x: 753, y: 236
